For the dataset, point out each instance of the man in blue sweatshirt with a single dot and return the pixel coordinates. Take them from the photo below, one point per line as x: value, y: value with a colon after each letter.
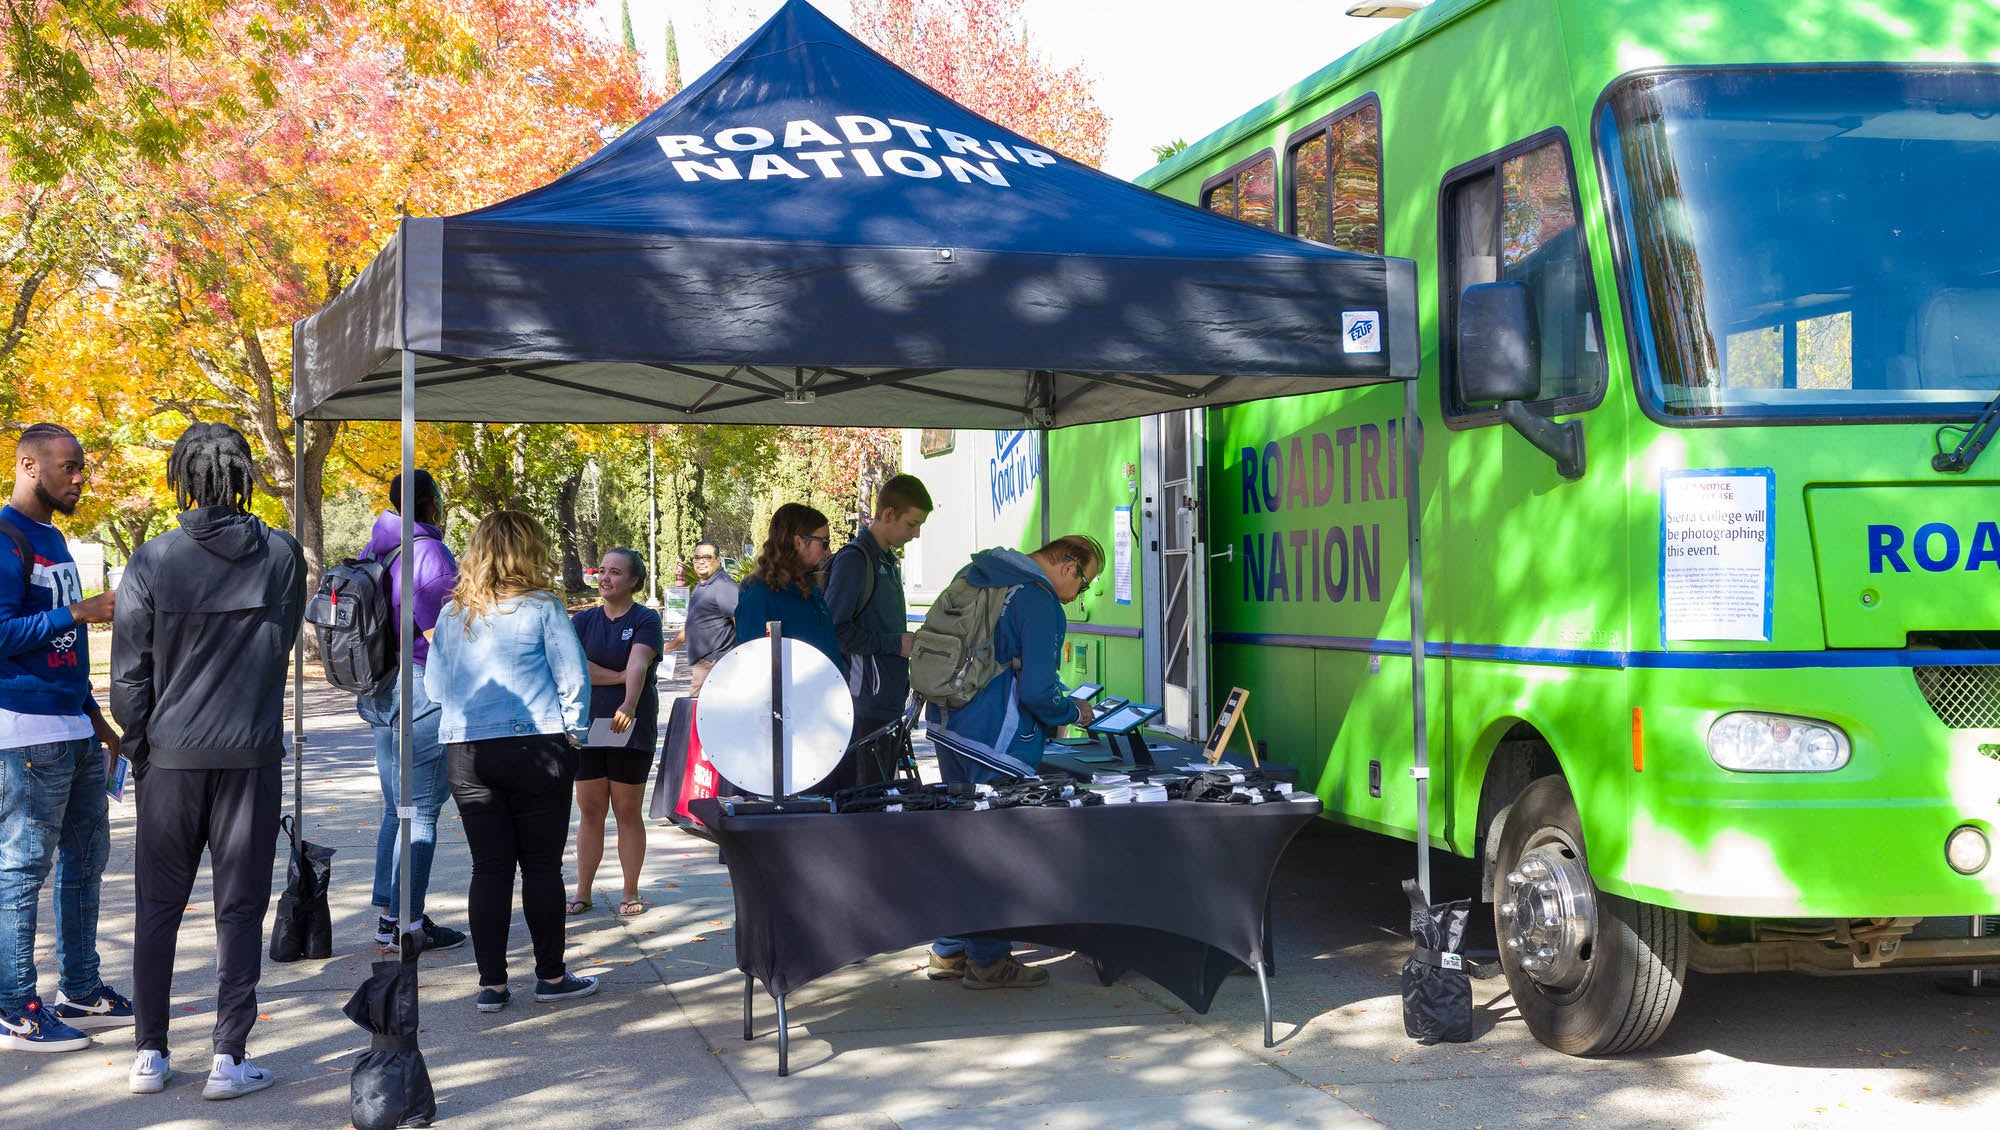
x: 52, y: 773
x: 1002, y: 731
x: 436, y: 575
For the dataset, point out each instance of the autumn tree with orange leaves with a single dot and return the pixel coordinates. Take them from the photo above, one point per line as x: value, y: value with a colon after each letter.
x: 979, y: 54
x: 179, y: 197
x: 298, y: 162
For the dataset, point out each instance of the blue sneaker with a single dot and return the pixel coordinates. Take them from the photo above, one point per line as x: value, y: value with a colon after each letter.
x: 104, y: 1009
x: 569, y: 988
x: 492, y: 1000
x: 34, y: 1029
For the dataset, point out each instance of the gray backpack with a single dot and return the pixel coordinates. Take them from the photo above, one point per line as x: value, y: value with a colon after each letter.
x: 951, y: 659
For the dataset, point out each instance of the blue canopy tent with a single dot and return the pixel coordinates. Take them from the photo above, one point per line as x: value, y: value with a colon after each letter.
x: 808, y: 235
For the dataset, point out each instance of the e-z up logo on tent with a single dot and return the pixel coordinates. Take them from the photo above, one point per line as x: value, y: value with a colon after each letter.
x: 814, y: 151
x: 1014, y: 469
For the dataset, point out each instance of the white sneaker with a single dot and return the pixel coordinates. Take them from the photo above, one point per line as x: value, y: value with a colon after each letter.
x: 150, y: 1072
x: 232, y: 1078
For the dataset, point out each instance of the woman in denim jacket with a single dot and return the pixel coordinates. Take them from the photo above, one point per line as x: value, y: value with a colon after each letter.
x: 509, y: 678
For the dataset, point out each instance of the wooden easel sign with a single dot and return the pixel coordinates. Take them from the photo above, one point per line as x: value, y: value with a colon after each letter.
x: 1226, y: 720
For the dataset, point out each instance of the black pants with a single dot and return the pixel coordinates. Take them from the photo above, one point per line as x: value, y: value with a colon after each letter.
x: 234, y: 814
x: 514, y: 797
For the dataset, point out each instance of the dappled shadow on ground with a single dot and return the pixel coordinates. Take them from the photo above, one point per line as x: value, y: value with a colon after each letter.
x: 877, y: 1044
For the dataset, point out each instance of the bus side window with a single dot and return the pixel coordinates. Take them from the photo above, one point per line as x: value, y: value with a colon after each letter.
x: 1511, y: 217
x: 1247, y: 192
x: 1334, y: 168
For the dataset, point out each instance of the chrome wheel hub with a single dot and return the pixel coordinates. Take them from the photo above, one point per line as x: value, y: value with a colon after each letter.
x: 1548, y: 912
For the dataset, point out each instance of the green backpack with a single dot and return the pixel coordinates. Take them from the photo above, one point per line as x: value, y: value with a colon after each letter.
x: 951, y: 659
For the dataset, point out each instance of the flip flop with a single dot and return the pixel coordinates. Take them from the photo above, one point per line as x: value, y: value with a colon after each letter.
x: 574, y: 907
x: 631, y: 908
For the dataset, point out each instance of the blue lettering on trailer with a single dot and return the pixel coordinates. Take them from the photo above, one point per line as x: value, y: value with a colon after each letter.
x: 1934, y: 546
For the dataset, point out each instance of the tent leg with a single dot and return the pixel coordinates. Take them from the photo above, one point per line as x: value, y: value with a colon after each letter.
x: 299, y: 648
x: 1421, y: 769
x: 406, y: 659
x: 748, y: 983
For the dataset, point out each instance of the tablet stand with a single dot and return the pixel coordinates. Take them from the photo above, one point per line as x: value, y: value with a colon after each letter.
x: 1135, y: 745
x: 778, y: 790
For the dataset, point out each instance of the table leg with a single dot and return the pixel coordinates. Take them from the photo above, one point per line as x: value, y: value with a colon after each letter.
x: 1264, y: 989
x: 748, y: 982
x: 784, y: 1041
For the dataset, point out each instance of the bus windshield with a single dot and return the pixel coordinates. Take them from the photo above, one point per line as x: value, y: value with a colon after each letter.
x: 1810, y: 244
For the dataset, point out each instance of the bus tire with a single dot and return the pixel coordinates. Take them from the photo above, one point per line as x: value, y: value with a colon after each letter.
x: 1591, y: 973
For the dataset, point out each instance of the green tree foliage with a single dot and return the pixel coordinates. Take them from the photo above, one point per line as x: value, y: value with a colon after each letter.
x: 1169, y: 150
x: 673, y: 63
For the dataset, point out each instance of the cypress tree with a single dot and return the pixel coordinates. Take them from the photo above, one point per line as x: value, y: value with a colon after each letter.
x: 673, y: 61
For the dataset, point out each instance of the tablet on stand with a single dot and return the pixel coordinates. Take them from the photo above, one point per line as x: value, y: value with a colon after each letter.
x: 1123, y: 722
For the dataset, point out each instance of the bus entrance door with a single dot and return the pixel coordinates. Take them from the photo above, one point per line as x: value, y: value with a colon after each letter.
x: 1173, y: 565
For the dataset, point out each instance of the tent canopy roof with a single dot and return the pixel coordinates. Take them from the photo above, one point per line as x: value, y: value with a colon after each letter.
x: 809, y: 235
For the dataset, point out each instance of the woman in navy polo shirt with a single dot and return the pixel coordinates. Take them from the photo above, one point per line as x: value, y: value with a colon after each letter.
x: 622, y: 641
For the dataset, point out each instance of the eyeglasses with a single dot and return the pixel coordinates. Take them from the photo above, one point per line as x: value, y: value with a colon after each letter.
x: 1083, y: 580
x: 704, y: 557
x: 825, y: 541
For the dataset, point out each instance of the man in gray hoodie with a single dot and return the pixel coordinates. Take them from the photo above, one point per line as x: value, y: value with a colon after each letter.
x: 207, y: 616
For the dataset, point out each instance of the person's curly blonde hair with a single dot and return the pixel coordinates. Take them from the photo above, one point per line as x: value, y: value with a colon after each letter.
x: 508, y: 556
x: 778, y: 563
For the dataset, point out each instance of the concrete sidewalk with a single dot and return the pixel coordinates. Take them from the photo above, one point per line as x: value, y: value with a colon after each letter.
x: 874, y: 1045
x: 877, y: 1045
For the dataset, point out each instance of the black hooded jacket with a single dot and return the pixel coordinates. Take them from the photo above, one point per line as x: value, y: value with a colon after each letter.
x: 206, y: 619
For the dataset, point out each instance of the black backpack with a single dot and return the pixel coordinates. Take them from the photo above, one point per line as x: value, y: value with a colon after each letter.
x: 356, y: 624
x: 19, y: 537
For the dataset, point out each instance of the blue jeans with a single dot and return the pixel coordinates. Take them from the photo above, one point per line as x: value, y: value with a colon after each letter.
x: 978, y: 951
x: 53, y: 813
x: 428, y: 792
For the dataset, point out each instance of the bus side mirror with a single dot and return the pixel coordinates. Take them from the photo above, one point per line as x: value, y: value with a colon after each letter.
x: 1499, y: 362
x: 1499, y: 349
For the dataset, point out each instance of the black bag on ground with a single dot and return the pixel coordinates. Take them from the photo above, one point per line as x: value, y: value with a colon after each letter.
x: 1437, y: 993
x: 390, y: 1086
x: 304, y: 926
x: 356, y: 624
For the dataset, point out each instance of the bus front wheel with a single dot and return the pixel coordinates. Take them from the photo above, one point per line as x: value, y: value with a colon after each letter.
x: 1592, y: 973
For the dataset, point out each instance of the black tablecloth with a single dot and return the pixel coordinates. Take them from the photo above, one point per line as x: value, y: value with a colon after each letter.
x: 1176, y: 891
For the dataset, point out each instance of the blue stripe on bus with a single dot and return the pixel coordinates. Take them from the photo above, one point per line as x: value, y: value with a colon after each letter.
x: 1076, y: 628
x: 1573, y: 657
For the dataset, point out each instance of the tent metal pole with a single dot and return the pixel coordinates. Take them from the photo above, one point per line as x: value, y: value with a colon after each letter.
x: 299, y: 647
x: 1042, y: 473
x: 406, y: 628
x: 1421, y: 770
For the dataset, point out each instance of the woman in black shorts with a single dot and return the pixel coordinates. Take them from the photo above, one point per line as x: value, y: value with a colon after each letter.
x: 622, y: 642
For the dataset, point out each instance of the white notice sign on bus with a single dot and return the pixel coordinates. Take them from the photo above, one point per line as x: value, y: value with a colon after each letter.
x: 1715, y: 554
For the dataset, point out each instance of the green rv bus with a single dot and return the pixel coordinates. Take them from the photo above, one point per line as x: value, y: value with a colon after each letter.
x: 1710, y: 301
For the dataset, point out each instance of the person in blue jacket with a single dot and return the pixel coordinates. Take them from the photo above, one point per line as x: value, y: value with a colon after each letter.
x: 781, y: 586
x: 1002, y: 731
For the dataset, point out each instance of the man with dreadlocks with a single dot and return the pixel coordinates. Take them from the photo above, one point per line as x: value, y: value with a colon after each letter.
x: 52, y: 810
x: 207, y: 615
